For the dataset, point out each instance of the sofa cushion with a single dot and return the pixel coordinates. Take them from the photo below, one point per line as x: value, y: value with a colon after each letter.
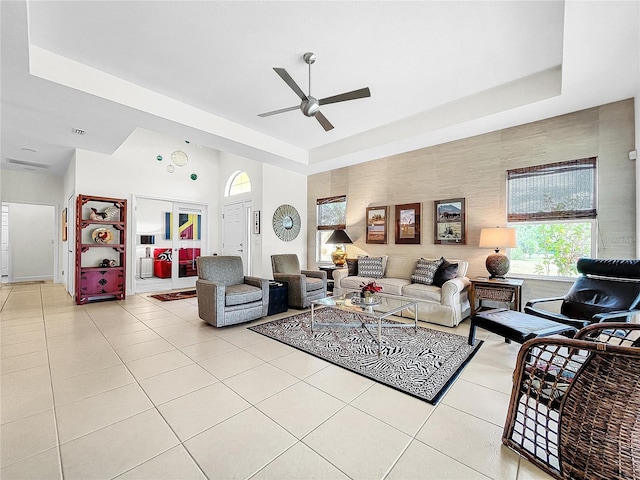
x: 393, y: 286
x: 446, y: 271
x: 370, y: 267
x: 422, y: 292
x: 356, y: 282
x: 241, y: 293
x: 352, y: 266
x: 425, y: 271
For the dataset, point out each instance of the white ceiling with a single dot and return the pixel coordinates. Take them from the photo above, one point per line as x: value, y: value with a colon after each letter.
x: 437, y: 70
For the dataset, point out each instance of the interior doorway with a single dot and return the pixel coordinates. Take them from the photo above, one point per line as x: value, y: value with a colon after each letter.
x: 28, y: 242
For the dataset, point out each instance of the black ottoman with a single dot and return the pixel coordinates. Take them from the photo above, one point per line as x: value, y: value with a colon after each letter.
x: 278, y: 298
x: 516, y: 326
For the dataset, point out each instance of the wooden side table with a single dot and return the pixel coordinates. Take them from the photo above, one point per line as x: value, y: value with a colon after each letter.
x: 329, y: 269
x: 508, y: 290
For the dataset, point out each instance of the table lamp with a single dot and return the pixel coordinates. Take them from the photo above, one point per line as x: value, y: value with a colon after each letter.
x: 497, y: 263
x: 338, y: 238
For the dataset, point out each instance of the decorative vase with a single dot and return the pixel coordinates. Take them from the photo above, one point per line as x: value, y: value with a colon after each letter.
x: 371, y: 298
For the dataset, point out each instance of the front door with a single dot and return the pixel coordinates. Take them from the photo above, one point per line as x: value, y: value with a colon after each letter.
x: 236, y: 233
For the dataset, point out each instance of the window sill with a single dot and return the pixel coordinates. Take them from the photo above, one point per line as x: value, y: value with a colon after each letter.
x: 525, y: 276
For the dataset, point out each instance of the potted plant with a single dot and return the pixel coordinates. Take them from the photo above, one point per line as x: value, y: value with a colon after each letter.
x: 368, y: 292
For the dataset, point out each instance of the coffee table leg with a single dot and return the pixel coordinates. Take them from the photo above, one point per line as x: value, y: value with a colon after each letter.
x: 379, y: 335
x: 312, y: 313
x: 415, y: 321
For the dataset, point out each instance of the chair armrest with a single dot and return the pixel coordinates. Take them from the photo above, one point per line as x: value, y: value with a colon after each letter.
x: 606, y: 317
x: 556, y: 317
x: 321, y: 274
x: 263, y: 284
x: 210, y: 300
x: 531, y: 303
x: 615, y: 333
x: 451, y: 290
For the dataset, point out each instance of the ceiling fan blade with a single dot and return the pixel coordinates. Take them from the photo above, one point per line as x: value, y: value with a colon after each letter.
x: 282, y: 110
x: 326, y: 124
x: 289, y: 81
x: 343, y: 97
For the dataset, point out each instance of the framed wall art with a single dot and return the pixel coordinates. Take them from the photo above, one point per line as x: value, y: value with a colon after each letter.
x: 64, y: 225
x: 408, y: 223
x: 449, y: 222
x: 256, y: 222
x: 377, y: 224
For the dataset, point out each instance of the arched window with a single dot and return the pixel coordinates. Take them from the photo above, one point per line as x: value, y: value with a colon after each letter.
x: 238, y: 183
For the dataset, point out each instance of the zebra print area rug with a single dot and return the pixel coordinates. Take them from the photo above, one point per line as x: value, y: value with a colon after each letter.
x: 423, y: 363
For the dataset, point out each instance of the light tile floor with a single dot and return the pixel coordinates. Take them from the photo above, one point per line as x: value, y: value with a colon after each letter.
x: 142, y: 389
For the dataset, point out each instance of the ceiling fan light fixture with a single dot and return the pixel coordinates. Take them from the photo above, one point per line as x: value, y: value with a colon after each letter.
x: 310, y: 106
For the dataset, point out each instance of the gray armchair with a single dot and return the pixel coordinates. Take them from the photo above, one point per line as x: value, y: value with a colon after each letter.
x: 225, y: 295
x: 305, y: 286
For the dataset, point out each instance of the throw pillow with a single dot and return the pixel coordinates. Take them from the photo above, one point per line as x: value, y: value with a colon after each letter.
x: 166, y: 256
x: 446, y: 271
x: 352, y: 266
x: 370, y: 267
x: 425, y: 271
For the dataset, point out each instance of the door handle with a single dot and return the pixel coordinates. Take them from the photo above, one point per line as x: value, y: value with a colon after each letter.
x: 240, y: 250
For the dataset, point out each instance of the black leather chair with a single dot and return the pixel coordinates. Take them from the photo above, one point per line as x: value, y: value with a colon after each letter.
x: 606, y: 290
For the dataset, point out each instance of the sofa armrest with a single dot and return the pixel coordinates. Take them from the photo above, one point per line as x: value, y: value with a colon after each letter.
x: 338, y: 275
x: 210, y: 300
x: 451, y: 290
x: 263, y: 284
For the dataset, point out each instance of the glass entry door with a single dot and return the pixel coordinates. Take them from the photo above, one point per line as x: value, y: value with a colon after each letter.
x: 187, y: 240
x: 169, y: 237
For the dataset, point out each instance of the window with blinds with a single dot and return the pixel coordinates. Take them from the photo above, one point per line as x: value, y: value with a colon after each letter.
x: 332, y: 213
x: 556, y: 191
x: 553, y: 210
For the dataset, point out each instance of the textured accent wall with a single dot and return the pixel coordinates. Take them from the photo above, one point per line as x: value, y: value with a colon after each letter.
x: 475, y: 168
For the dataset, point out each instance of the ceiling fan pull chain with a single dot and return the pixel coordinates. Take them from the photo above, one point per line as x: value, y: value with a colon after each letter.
x: 309, y: 80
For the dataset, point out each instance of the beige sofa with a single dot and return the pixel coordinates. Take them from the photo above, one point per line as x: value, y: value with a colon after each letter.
x: 447, y: 305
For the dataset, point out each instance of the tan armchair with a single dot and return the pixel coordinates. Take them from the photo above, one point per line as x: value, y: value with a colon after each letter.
x: 305, y: 286
x: 225, y: 295
x: 575, y: 403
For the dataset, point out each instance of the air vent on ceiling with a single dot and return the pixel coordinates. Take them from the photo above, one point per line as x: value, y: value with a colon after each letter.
x: 26, y: 164
x: 78, y: 131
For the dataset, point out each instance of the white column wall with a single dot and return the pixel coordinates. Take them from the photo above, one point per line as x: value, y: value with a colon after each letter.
x: 282, y: 187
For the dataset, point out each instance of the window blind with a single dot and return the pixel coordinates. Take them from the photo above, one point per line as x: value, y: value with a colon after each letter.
x: 332, y: 213
x: 555, y: 191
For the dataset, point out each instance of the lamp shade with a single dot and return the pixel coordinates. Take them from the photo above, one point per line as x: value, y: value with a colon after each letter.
x: 338, y: 237
x: 498, y: 237
x: 498, y: 264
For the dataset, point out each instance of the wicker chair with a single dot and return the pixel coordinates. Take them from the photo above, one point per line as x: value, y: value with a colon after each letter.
x: 575, y: 403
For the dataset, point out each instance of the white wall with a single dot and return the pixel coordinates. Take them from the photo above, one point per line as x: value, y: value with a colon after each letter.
x: 32, y: 233
x: 134, y: 170
x: 282, y: 187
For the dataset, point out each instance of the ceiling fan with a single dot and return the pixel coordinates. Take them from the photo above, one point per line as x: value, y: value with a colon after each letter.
x: 310, y: 106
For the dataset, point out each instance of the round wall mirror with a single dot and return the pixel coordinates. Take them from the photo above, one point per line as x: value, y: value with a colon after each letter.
x: 286, y: 222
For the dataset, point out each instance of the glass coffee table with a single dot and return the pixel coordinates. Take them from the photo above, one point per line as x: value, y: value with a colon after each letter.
x: 350, y: 301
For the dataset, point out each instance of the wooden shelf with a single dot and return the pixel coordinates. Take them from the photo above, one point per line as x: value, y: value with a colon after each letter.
x: 100, y: 283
